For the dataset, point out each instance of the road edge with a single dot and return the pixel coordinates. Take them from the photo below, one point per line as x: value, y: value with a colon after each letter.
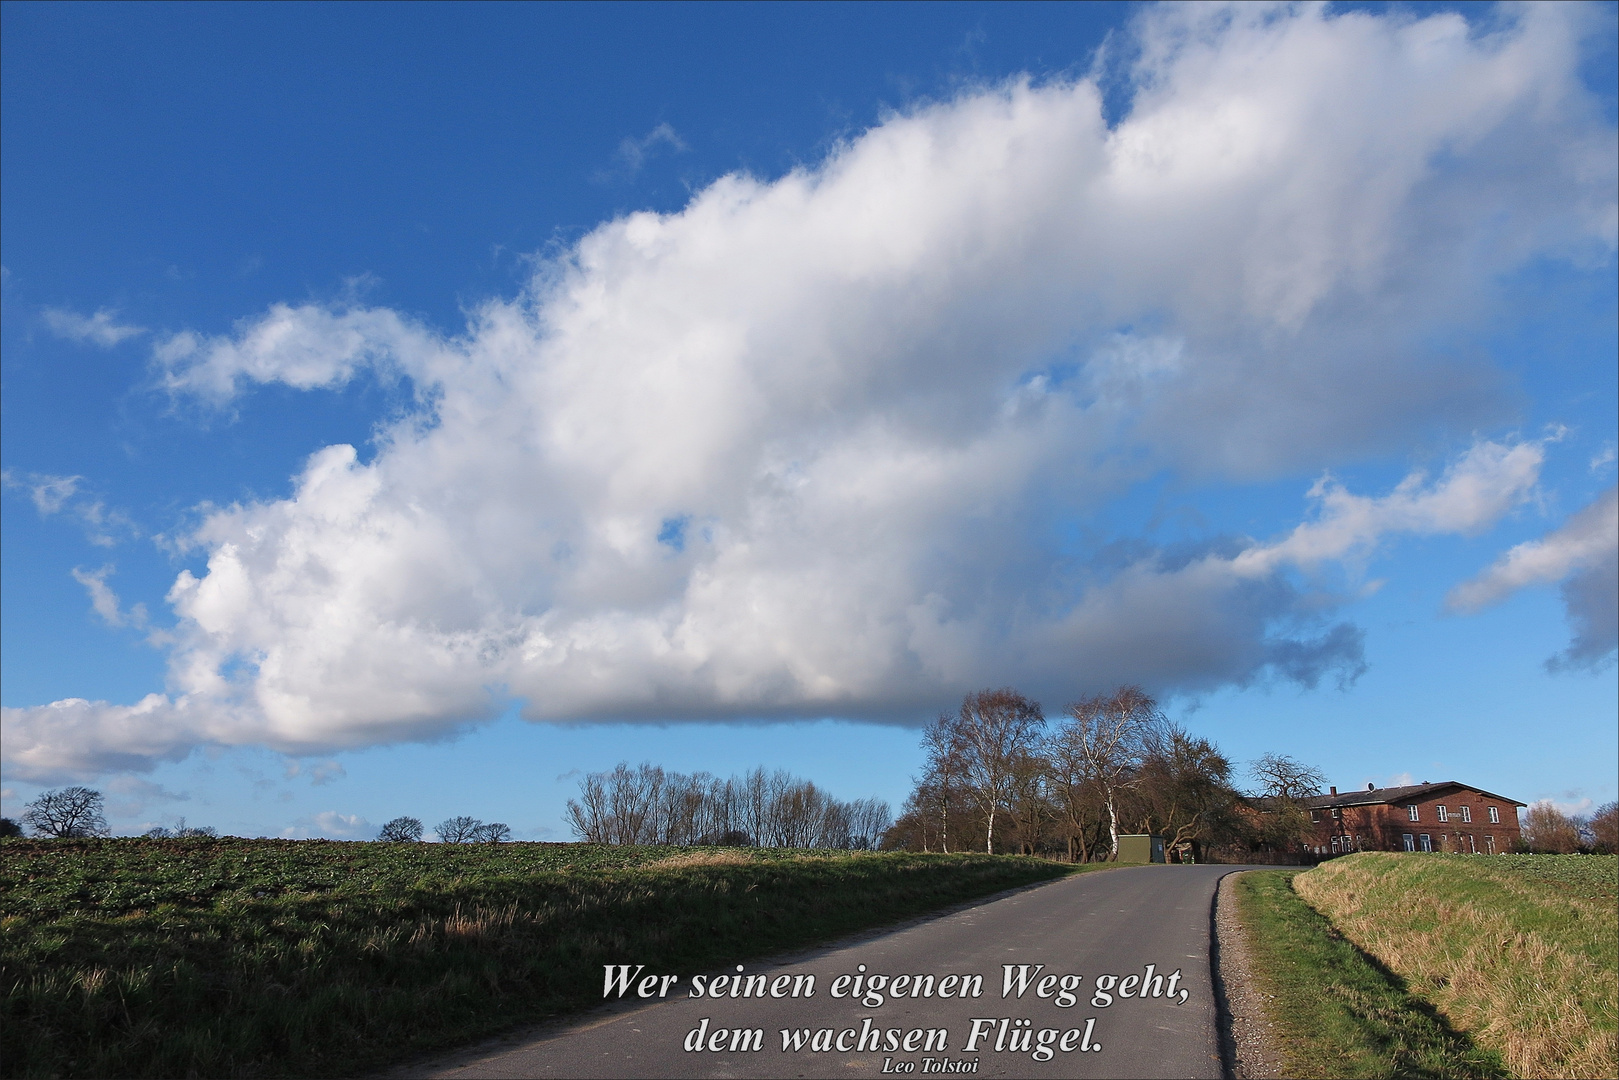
x: 1246, y: 1047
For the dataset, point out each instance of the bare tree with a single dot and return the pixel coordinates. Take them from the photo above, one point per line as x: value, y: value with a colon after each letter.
x: 869, y: 819
x: 1547, y: 829
x: 942, y: 774
x: 997, y: 729
x: 588, y: 815
x: 401, y: 830
x: 1074, y: 788
x: 1282, y: 777
x: 493, y: 832
x: 1605, y: 829
x: 458, y: 830
x: 1281, y: 821
x: 1186, y: 791
x: 1108, y: 734
x: 68, y: 812
x: 1029, y: 800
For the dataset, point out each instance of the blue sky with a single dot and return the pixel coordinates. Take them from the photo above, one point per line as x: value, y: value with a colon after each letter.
x: 406, y: 409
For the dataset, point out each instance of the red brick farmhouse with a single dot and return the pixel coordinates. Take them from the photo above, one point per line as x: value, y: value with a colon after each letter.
x: 1423, y: 817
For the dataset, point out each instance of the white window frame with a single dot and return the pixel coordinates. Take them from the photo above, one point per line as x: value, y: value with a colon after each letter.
x: 1412, y: 813
x: 1467, y: 815
x: 1495, y: 816
x: 1427, y: 842
x: 1409, y: 841
x: 1444, y: 815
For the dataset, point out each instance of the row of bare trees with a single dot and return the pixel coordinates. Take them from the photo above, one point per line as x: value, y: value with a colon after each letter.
x: 648, y: 805
x: 997, y: 777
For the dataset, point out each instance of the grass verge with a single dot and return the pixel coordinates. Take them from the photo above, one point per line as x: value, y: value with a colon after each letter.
x: 309, y: 958
x: 1334, y: 1011
x: 1520, y: 951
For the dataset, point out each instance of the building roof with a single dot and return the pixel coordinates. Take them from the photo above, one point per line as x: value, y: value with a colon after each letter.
x: 1376, y: 796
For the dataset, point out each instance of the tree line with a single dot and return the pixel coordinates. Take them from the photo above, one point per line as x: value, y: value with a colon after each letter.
x: 998, y: 778
x: 651, y: 805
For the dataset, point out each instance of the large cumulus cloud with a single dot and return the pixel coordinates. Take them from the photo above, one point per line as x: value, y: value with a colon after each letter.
x: 807, y: 445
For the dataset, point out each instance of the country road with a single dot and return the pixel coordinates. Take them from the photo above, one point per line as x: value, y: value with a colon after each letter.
x: 1020, y: 986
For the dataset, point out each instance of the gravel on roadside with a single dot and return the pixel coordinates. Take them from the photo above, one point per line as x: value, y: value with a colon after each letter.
x: 1254, y: 1050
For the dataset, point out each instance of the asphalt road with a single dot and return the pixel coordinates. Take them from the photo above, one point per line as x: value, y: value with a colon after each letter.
x: 1072, y: 934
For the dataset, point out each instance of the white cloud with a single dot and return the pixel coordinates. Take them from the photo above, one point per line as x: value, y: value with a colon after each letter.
x: 332, y: 826
x: 98, y: 329
x: 49, y: 493
x: 633, y: 153
x: 104, y: 601
x: 1583, y: 554
x: 305, y: 347
x: 1489, y: 480
x: 324, y: 772
x: 802, y: 448
x: 59, y: 494
x: 1572, y: 804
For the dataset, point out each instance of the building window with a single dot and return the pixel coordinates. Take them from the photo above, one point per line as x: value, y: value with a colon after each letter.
x: 1409, y: 841
x: 1315, y: 815
x: 1489, y: 845
x: 1335, y: 845
x: 1427, y: 842
x: 1467, y: 813
x: 1495, y: 816
x: 1411, y: 813
x: 1444, y: 815
x: 1472, y: 846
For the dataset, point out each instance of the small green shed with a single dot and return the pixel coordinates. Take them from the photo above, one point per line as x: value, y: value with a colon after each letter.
x: 1141, y: 848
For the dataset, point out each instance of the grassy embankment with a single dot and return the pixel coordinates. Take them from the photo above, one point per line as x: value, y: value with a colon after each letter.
x: 1440, y: 965
x: 278, y: 958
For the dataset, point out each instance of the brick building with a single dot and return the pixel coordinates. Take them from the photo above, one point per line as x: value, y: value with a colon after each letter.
x: 1423, y: 817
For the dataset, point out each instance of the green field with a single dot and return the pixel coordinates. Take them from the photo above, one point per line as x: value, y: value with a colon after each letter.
x: 226, y: 957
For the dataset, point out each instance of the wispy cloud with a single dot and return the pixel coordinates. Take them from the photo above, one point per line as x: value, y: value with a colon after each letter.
x: 49, y: 493
x: 633, y: 154
x: 98, y: 329
x: 1583, y: 555
x: 105, y: 602
x: 64, y: 494
x: 324, y: 772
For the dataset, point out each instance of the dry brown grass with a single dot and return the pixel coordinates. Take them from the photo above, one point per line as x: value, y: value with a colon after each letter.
x: 1527, y: 968
x: 702, y: 858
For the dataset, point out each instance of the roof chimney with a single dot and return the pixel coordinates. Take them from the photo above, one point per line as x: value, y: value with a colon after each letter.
x: 1334, y: 791
x: 1371, y: 787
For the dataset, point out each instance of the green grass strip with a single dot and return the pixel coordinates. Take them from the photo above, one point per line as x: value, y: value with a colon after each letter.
x: 1334, y: 1011
x: 279, y: 958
